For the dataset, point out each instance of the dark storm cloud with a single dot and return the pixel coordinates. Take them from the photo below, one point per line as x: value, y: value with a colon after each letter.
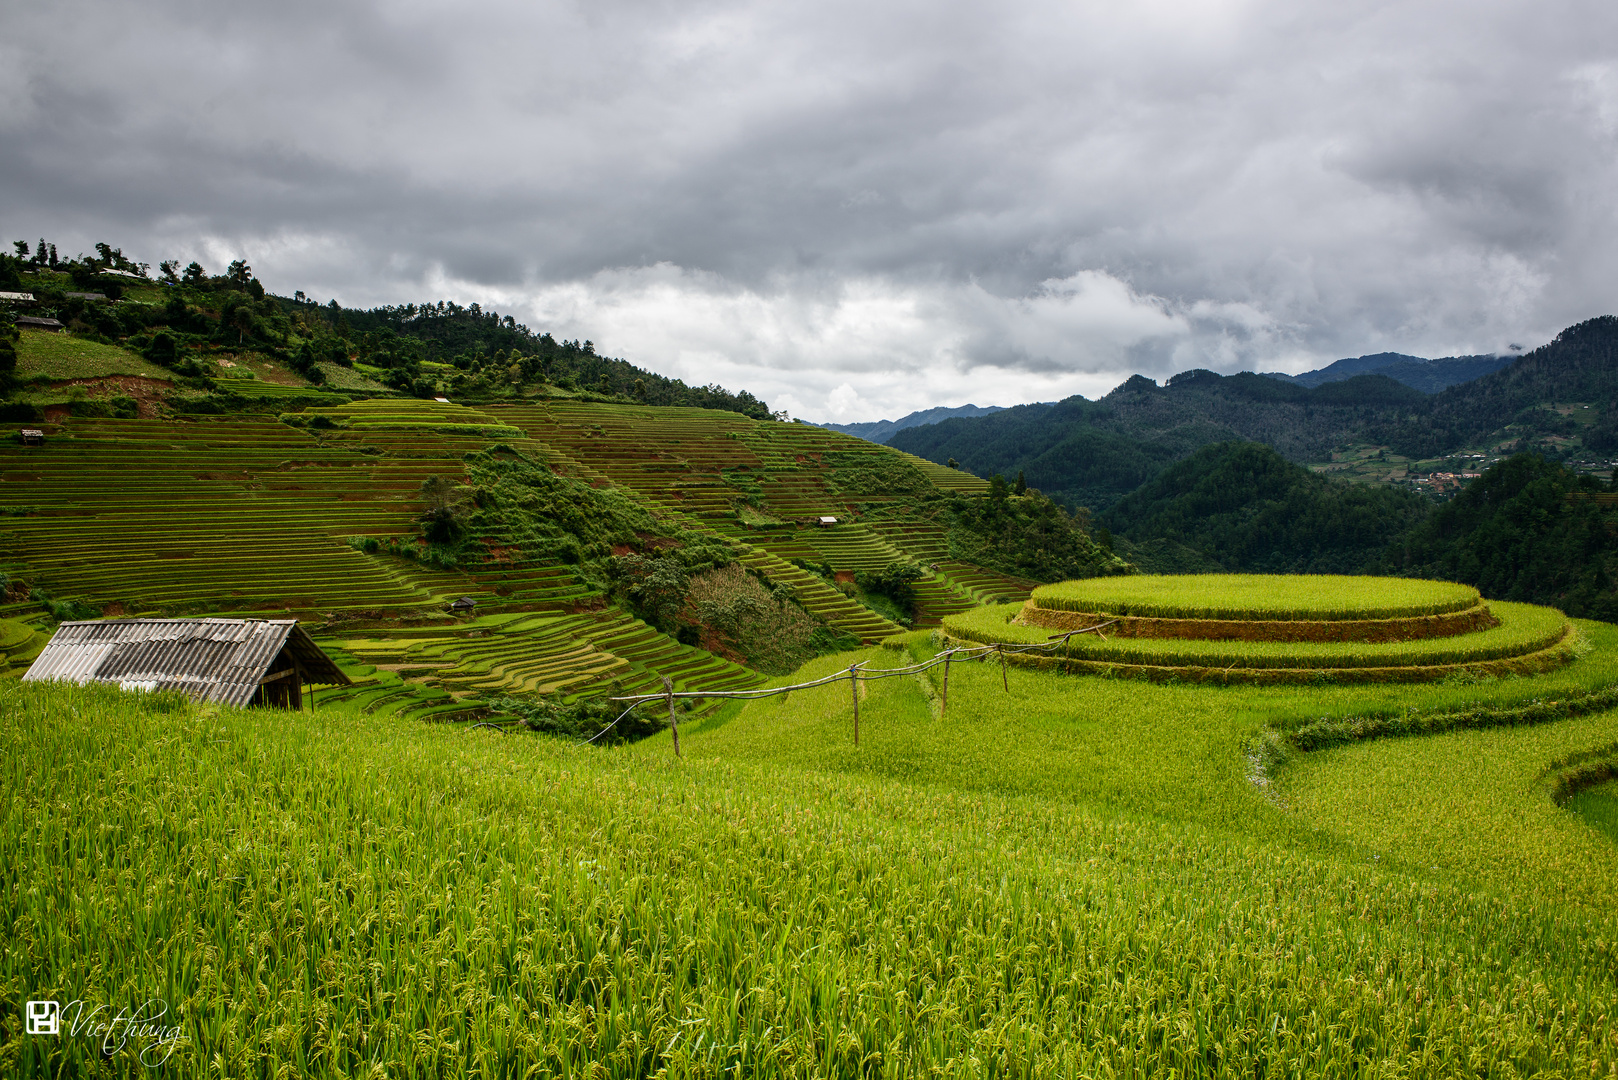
x: 849, y: 206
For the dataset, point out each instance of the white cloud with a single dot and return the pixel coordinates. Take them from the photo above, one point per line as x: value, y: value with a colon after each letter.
x: 965, y: 200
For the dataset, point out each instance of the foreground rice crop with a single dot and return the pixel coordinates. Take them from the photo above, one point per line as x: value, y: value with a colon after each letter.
x: 1072, y: 877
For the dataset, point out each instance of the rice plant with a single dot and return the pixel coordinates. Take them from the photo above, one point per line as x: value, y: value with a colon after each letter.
x: 1070, y: 877
x: 1523, y: 629
x: 1258, y: 596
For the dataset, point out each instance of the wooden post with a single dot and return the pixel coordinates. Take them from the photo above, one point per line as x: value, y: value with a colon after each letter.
x: 854, y: 686
x: 674, y: 724
x: 944, y: 702
x: 1004, y: 685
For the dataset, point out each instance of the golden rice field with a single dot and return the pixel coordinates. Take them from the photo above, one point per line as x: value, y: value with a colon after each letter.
x: 1522, y: 629
x: 1258, y: 596
x: 1066, y: 877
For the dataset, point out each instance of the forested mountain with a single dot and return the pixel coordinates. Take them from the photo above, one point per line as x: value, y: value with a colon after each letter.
x: 1086, y: 453
x: 180, y: 315
x: 491, y: 353
x: 1560, y: 400
x: 880, y: 431
x: 1527, y: 400
x: 1428, y: 376
x: 1248, y: 508
x: 1527, y: 529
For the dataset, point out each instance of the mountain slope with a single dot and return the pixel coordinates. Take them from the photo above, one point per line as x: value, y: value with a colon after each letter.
x: 1527, y: 529
x: 1249, y: 508
x: 1088, y: 453
x: 1528, y: 402
x: 1561, y: 400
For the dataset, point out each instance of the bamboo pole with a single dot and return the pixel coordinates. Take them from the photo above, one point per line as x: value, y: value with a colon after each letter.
x: 1004, y: 685
x: 674, y: 724
x: 943, y: 703
x: 854, y: 687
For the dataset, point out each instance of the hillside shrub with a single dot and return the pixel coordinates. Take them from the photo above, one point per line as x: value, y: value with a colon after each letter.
x: 586, y: 718
x: 65, y: 610
x: 896, y: 581
x: 764, y: 628
x: 1026, y: 536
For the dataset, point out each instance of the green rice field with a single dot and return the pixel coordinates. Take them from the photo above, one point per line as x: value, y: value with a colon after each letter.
x: 1258, y: 596
x: 1598, y: 806
x: 1062, y: 877
x: 1024, y: 872
x: 1523, y: 629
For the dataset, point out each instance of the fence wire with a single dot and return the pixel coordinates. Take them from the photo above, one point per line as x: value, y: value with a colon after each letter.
x: 857, y: 672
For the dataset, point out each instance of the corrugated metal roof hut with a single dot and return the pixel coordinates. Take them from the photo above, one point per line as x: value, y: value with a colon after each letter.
x: 231, y: 661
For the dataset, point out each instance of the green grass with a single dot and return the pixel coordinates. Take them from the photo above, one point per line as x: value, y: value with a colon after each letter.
x: 1523, y: 629
x: 67, y: 356
x: 339, y: 377
x: 1073, y: 878
x: 1258, y: 596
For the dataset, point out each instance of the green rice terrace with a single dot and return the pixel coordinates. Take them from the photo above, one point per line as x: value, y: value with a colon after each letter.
x: 1259, y: 597
x: 1275, y: 629
x: 318, y: 514
x: 1212, y: 826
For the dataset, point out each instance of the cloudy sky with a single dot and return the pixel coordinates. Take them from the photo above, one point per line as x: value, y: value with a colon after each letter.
x: 855, y: 209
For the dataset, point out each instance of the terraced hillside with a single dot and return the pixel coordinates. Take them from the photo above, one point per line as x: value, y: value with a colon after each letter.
x: 20, y: 642
x: 766, y: 485
x: 1256, y: 628
x: 308, y: 514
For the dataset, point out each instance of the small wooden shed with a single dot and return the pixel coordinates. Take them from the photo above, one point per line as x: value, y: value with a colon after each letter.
x: 31, y: 436
x: 464, y: 606
x: 231, y: 661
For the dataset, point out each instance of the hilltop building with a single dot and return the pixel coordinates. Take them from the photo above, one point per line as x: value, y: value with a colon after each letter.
x: 231, y: 661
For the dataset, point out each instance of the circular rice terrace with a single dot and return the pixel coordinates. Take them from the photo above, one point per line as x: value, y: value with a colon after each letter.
x: 1257, y: 628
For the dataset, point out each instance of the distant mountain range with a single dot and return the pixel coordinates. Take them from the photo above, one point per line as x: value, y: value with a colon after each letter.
x: 1416, y: 372
x: 1428, y: 376
x: 880, y: 431
x: 1561, y: 400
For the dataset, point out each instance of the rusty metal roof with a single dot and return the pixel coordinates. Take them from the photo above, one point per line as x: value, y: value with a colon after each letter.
x: 208, y: 659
